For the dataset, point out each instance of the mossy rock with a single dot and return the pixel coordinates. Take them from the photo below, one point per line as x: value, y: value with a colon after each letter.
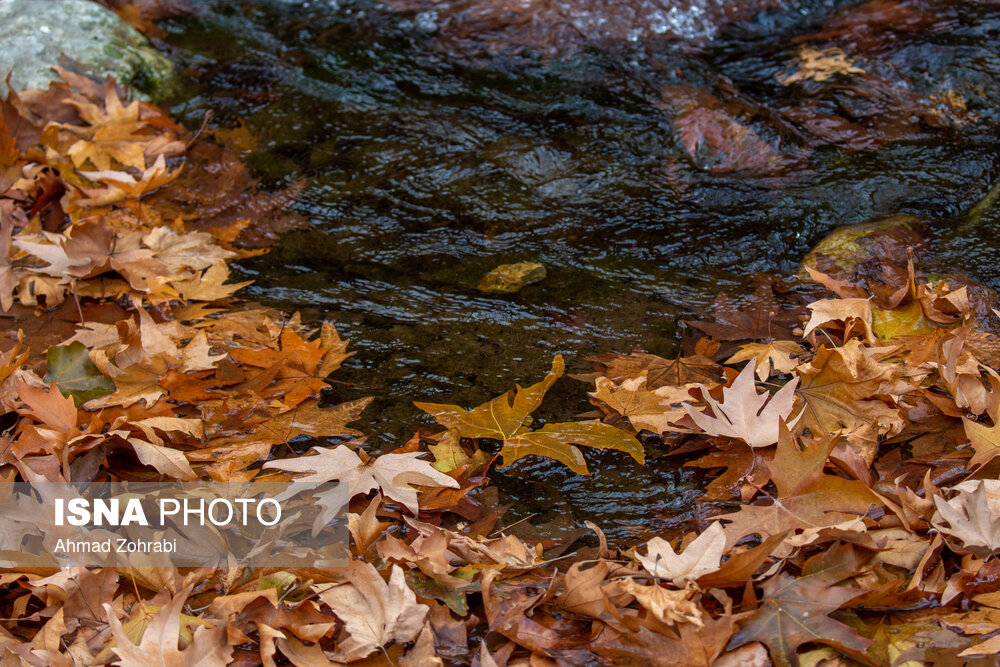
x: 509, y: 278
x: 846, y: 247
x: 36, y: 35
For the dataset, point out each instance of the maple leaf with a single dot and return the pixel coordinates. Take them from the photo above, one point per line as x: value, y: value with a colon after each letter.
x: 158, y: 646
x: 779, y: 353
x: 13, y: 358
x: 985, y: 439
x: 8, y: 279
x: 394, y: 474
x: 293, y: 369
x: 851, y: 312
x: 208, y: 286
x: 651, y: 410
x: 807, y: 497
x: 556, y: 441
x: 960, y: 372
x: 187, y: 251
x: 666, y: 605
x: 374, y: 613
x: 764, y: 318
x: 971, y: 516
x: 503, y: 419
x: 702, y: 556
x: 746, y: 470
x: 450, y: 455
x: 745, y: 414
x: 231, y: 454
x: 118, y: 142
x: 796, y: 610
x: 837, y: 390
x: 120, y: 186
x: 659, y: 371
x: 113, y: 113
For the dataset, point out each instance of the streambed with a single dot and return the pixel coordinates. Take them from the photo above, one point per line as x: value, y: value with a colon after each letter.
x: 647, y: 170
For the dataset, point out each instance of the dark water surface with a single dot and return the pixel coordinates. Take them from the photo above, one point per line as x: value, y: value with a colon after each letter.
x: 428, y: 162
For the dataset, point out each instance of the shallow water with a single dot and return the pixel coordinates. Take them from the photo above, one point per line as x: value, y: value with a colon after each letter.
x: 428, y: 162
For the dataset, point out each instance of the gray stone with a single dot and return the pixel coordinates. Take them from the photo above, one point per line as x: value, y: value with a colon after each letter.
x: 37, y: 34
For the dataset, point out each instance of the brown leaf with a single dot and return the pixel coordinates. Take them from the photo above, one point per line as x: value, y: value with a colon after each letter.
x: 374, y: 613
x: 795, y: 610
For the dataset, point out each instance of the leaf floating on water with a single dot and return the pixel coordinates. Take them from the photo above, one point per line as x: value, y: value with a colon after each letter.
x: 504, y: 417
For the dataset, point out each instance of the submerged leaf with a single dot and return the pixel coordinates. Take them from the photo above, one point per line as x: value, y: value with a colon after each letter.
x: 75, y: 374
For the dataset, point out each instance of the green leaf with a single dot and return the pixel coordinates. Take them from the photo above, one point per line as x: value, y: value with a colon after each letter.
x: 75, y: 374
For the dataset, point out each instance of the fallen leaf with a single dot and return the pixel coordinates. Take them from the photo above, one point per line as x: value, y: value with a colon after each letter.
x: 745, y: 414
x: 503, y: 418
x: 374, y: 613
x: 780, y: 354
x: 71, y: 369
x: 702, y: 556
x: 394, y: 474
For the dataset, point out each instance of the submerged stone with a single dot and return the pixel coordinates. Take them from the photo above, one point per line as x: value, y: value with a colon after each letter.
x: 35, y: 35
x: 509, y: 278
x: 847, y: 246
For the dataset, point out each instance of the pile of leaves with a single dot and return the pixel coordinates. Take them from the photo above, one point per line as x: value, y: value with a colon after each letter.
x: 850, y: 424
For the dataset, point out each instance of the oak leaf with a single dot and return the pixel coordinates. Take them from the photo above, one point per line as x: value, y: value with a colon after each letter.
x: 745, y: 414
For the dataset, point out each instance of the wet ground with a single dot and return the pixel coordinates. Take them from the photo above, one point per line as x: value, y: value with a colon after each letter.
x: 646, y: 170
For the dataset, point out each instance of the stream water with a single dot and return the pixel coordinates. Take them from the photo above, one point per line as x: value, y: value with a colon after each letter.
x: 429, y: 155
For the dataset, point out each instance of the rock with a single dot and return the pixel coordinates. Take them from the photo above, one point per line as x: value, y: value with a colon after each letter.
x: 509, y: 278
x: 845, y: 248
x: 37, y: 34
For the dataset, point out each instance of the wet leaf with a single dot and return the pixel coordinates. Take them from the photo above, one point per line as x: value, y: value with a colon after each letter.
x: 504, y: 417
x: 75, y: 374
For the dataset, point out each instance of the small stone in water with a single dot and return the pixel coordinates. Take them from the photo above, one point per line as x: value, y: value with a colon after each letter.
x: 509, y: 278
